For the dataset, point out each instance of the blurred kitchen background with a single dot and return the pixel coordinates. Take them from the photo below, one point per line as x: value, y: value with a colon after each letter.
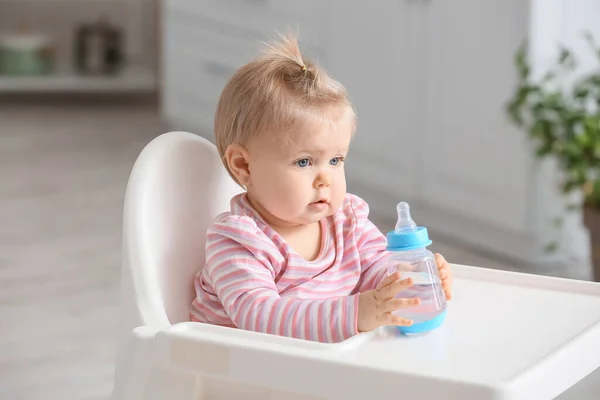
x: 85, y: 84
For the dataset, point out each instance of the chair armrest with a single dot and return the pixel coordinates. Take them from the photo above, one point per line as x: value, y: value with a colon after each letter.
x: 191, y: 345
x: 264, y: 360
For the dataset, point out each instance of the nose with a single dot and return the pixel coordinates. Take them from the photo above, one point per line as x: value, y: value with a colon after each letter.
x: 322, y: 180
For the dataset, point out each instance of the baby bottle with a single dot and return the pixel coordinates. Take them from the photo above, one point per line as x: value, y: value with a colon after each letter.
x: 409, y: 255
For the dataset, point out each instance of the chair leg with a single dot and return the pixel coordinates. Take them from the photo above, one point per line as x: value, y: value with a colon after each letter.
x: 171, y: 384
x: 139, y: 378
x: 134, y: 366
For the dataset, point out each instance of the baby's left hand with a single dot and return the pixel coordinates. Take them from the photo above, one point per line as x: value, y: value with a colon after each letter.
x: 445, y: 275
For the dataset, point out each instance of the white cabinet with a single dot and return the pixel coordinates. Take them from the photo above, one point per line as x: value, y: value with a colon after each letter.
x: 197, y: 65
x: 205, y: 42
x: 429, y: 80
x: 473, y: 162
x: 380, y: 65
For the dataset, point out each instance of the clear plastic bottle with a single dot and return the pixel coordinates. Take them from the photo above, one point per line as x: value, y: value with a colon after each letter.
x: 407, y: 244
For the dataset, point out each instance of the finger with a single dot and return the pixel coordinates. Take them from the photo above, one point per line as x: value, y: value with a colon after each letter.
x: 439, y: 259
x: 399, y: 321
x: 446, y: 284
x: 388, y: 280
x: 394, y: 320
x: 403, y: 266
x: 447, y: 281
x: 448, y: 293
x: 444, y: 272
x: 399, y: 303
x: 391, y: 290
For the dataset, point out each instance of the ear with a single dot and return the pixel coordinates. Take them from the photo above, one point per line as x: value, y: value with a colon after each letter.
x: 238, y: 161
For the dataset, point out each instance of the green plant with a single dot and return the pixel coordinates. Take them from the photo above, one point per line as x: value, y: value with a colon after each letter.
x: 561, y: 114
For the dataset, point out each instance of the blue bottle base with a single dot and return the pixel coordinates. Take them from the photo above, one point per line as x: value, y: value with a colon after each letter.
x: 424, y: 326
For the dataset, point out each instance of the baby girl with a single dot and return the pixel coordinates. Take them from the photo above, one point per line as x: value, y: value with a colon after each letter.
x: 296, y: 255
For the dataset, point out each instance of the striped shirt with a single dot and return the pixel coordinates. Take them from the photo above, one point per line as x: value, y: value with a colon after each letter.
x: 254, y: 280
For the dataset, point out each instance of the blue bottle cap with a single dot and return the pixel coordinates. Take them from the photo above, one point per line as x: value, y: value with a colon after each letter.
x: 407, y: 235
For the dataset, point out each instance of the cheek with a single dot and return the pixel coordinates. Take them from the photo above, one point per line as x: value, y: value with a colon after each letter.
x: 297, y: 183
x: 339, y: 186
x: 275, y: 183
x: 340, y: 180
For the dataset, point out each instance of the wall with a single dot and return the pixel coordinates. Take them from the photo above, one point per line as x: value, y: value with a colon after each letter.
x: 581, y: 16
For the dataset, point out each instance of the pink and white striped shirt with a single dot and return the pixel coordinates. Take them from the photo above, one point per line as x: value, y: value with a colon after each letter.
x: 254, y: 280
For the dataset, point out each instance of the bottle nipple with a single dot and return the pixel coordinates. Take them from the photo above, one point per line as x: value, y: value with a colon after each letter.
x: 405, y: 221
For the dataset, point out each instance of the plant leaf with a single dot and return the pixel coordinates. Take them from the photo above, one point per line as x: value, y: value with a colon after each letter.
x: 551, y: 247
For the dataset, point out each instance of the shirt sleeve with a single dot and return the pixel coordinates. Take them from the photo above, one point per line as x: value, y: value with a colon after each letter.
x: 371, y: 245
x: 240, y: 265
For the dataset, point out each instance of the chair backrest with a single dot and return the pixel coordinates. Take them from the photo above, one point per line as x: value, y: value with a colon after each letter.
x: 177, y: 187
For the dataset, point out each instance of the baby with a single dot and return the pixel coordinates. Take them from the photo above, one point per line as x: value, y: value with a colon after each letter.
x: 296, y: 255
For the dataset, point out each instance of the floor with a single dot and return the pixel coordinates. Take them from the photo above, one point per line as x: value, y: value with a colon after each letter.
x: 64, y: 168
x: 63, y: 171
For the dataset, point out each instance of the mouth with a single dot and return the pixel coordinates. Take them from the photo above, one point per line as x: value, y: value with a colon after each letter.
x: 321, y: 201
x: 319, y: 205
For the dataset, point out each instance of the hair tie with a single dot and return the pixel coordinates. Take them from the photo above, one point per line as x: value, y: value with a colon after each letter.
x: 303, y: 68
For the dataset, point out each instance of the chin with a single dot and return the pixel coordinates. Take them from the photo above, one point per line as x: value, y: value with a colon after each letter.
x: 312, y: 218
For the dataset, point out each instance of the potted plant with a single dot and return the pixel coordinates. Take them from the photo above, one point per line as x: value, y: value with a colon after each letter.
x: 560, y: 112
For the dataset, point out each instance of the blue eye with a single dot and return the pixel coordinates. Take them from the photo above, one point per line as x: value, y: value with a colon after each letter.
x: 335, y: 161
x: 303, y: 163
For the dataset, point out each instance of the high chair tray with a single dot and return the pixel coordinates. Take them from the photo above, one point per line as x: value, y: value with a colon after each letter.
x: 507, y: 335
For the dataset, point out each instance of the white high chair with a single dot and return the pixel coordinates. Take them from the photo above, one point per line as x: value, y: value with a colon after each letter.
x: 507, y: 335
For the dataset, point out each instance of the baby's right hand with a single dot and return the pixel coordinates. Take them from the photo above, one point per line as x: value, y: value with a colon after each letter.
x: 375, y: 307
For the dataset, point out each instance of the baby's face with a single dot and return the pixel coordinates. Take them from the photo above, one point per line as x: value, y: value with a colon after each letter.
x: 300, y: 180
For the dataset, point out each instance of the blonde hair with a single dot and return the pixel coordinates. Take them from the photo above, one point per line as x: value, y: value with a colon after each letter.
x: 276, y: 93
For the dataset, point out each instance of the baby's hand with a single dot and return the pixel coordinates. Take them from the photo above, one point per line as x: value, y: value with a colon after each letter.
x: 445, y: 275
x: 375, y: 307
